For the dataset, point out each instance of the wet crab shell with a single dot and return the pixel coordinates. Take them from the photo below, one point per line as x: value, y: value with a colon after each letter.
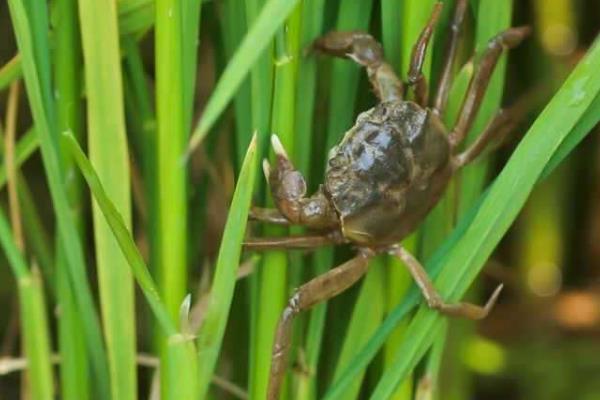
x: 388, y: 171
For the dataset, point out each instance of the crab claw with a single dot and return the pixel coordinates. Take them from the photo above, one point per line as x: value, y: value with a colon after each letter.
x: 266, y: 169
x: 278, y: 147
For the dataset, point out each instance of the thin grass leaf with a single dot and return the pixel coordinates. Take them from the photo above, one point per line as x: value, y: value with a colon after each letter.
x: 391, y: 31
x: 176, y: 38
x: 109, y: 154
x: 25, y: 147
x: 258, y: 37
x: 210, y: 335
x: 68, y: 58
x: 37, y: 235
x: 135, y: 16
x: 428, y: 386
x: 142, y: 131
x: 583, y: 127
x: 190, y: 40
x: 170, y: 144
x: 10, y: 72
x: 499, y: 208
x: 233, y: 28
x: 179, y: 349
x: 266, y: 289
x: 122, y: 235
x: 31, y: 34
x: 34, y: 324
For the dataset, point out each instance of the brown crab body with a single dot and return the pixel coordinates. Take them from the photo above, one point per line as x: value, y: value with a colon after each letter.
x: 388, y: 172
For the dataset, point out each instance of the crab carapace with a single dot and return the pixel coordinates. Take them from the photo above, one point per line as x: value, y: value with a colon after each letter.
x: 389, y: 170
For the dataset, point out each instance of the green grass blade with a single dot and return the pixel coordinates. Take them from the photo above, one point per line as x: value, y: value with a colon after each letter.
x: 26, y: 146
x: 258, y: 37
x: 34, y: 325
x: 10, y: 72
x: 35, y: 54
x: 233, y: 28
x: 176, y: 36
x: 123, y: 236
x: 37, y: 235
x: 135, y: 16
x: 190, y: 28
x: 108, y: 151
x: 74, y: 366
x: 391, y: 31
x: 171, y: 139
x: 179, y: 349
x: 583, y: 127
x: 499, y: 208
x: 211, y: 333
x: 262, y: 310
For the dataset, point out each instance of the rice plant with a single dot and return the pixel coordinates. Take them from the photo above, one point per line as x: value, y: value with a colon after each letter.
x: 133, y: 135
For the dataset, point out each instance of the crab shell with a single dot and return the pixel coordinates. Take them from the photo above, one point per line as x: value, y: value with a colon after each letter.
x: 388, y: 172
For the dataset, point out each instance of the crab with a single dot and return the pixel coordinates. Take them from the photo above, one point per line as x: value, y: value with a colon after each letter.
x: 384, y: 177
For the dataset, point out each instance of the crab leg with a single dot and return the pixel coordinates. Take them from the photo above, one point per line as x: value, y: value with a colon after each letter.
x: 500, y: 126
x: 443, y: 89
x: 505, y: 40
x: 319, y: 289
x: 294, y: 242
x: 415, y: 75
x: 504, y: 122
x: 433, y: 298
x: 366, y: 51
x: 269, y: 215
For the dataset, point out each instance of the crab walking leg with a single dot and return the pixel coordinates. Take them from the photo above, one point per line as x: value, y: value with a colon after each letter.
x: 269, y: 215
x: 366, y: 51
x: 319, y: 289
x: 288, y: 189
x: 441, y: 98
x: 478, y: 85
x: 416, y: 79
x: 502, y: 123
x: 433, y: 298
x: 293, y: 242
